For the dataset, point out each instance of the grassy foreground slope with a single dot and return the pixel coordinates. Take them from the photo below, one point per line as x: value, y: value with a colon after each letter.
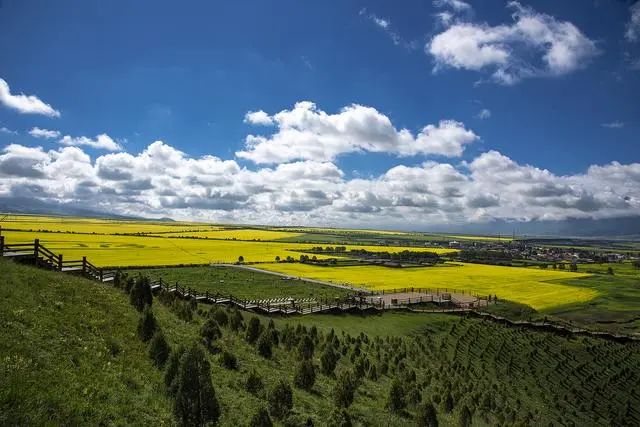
x: 69, y: 354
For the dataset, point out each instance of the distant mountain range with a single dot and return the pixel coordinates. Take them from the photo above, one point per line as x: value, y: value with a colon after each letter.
x: 628, y: 227
x: 27, y: 205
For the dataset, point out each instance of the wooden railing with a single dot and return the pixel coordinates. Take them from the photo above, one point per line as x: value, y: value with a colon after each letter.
x: 46, y: 258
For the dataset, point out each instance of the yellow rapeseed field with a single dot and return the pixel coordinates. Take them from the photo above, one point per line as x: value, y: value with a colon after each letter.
x: 537, y: 288
x: 102, y: 226
x: 238, y: 234
x: 112, y: 250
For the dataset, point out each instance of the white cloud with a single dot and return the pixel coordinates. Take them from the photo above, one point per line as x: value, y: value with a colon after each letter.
x: 457, y: 5
x: 308, y: 133
x: 164, y: 181
x: 258, y: 118
x: 534, y: 45
x: 484, y: 114
x: 613, y: 125
x: 633, y: 27
x: 28, y: 104
x: 8, y: 131
x: 102, y: 142
x: 36, y: 132
x: 385, y: 25
x: 381, y: 22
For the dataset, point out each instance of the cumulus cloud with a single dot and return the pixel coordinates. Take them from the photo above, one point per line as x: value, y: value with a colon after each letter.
x: 164, y: 181
x: 258, y: 118
x: 633, y: 27
x: 308, y: 133
x: 534, y: 45
x: 27, y: 104
x: 36, y: 132
x: 102, y: 142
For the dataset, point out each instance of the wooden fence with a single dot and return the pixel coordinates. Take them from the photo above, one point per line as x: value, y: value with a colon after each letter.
x: 42, y: 257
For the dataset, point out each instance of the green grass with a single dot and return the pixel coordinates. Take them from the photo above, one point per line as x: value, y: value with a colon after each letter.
x: 615, y: 308
x: 69, y: 354
x: 241, y: 283
x: 57, y: 367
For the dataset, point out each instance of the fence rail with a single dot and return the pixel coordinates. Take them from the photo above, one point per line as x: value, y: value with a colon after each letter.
x: 43, y: 257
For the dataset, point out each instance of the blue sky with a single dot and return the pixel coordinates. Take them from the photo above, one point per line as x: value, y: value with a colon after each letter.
x: 558, y: 95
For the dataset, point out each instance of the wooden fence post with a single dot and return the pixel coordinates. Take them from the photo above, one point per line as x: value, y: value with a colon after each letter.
x: 101, y: 275
x: 59, y: 262
x: 1, y: 244
x: 84, y: 265
x: 36, y: 246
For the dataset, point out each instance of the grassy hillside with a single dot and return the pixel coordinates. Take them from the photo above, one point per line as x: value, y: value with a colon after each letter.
x: 71, y: 356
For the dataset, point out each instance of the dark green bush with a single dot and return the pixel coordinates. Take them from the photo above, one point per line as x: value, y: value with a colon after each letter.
x: 228, y: 360
x: 264, y: 345
x: 159, y: 349
x: 210, y: 333
x: 396, y: 398
x: 253, y: 330
x: 195, y: 402
x: 235, y: 320
x: 147, y: 325
x: 344, y: 389
x: 171, y: 370
x: 253, y: 384
x: 306, y: 348
x: 261, y: 419
x: 219, y: 315
x: 328, y: 361
x: 426, y: 415
x: 140, y: 294
x: 305, y: 375
x: 280, y: 399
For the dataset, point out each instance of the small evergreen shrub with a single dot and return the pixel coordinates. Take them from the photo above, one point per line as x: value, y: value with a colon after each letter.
x: 328, y: 361
x: 344, y: 389
x: 159, y: 349
x: 210, y: 332
x: 264, y: 345
x: 228, y: 360
x: 396, y: 398
x: 195, y: 401
x: 306, y: 348
x: 140, y: 294
x: 280, y: 399
x: 219, y: 315
x: 253, y: 330
x: 261, y: 419
x: 171, y: 370
x: 147, y: 325
x: 305, y: 375
x: 254, y: 384
x: 426, y: 415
